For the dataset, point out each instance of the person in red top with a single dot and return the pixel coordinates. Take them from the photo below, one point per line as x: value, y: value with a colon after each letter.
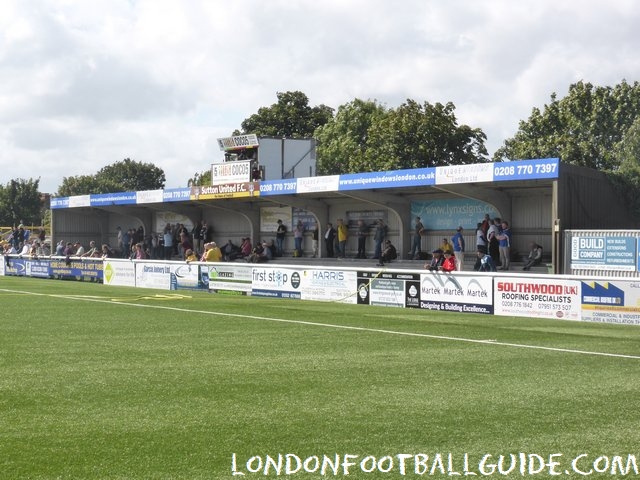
x: 449, y: 264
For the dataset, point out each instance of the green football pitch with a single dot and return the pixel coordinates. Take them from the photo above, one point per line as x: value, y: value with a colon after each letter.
x: 101, y: 382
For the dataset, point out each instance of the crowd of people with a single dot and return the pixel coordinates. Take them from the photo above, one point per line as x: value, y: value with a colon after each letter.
x: 493, y: 245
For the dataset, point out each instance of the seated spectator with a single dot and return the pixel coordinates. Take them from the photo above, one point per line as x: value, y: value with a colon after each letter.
x: 449, y: 263
x: 140, y: 253
x: 446, y: 246
x: 245, y: 247
x: 107, y: 252
x: 93, y: 250
x: 212, y: 253
x: 231, y: 251
x: 484, y: 263
x: 78, y: 249
x: 60, y: 248
x: 535, y: 256
x: 260, y: 253
x: 389, y: 253
x: 436, y: 261
x: 189, y: 256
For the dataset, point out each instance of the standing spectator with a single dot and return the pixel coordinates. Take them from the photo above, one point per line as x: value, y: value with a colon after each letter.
x: 378, y: 237
x: 196, y: 233
x: 119, y: 238
x: 481, y: 239
x: 458, y: 248
x: 362, y: 232
x: 167, y: 237
x: 416, y: 246
x: 343, y: 234
x: 492, y: 239
x: 281, y: 232
x: 329, y: 238
x: 298, y: 232
x: 505, y: 245
x: 314, y: 237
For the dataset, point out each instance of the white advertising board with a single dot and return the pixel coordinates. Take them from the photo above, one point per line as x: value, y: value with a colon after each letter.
x: 538, y: 297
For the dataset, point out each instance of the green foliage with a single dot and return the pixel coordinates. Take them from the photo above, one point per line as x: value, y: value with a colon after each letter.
x: 20, y: 202
x: 582, y: 128
x: 202, y: 178
x: 626, y: 179
x: 365, y: 136
x: 124, y: 176
x: 342, y: 142
x: 291, y: 117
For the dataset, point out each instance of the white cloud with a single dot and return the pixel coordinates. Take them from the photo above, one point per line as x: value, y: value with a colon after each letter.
x: 86, y: 84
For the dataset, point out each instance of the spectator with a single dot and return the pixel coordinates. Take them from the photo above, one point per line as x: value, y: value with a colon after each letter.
x: 449, y: 263
x: 492, y: 239
x: 329, y: 237
x: 245, y: 247
x: 231, y: 251
x: 378, y: 237
x: 436, y: 261
x: 481, y: 239
x: 298, y: 232
x: 458, y: 248
x: 362, y: 232
x: 190, y: 256
x: 281, y: 232
x: 446, y: 246
x: 504, y: 239
x: 212, y: 252
x: 167, y: 237
x: 343, y: 235
x: 535, y: 256
x: 416, y: 246
x: 484, y: 262
x: 388, y: 253
x: 314, y: 237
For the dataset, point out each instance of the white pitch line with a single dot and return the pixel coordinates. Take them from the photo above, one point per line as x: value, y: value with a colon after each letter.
x: 330, y: 325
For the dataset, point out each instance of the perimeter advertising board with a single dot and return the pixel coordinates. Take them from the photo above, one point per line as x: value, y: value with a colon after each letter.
x: 614, y: 301
x: 537, y: 297
x: 228, y: 278
x: 274, y: 281
x: 119, y: 272
x: 604, y: 253
x: 461, y: 293
x: 328, y: 285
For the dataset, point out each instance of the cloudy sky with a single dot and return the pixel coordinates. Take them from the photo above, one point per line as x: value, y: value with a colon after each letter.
x: 87, y: 83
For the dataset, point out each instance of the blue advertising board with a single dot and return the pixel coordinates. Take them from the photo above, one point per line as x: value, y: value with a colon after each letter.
x: 604, y: 253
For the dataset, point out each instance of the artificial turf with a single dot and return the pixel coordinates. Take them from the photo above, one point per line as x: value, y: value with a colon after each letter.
x: 101, y: 382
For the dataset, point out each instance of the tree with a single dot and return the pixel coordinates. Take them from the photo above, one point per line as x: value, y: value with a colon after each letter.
x: 133, y: 176
x: 582, y: 128
x: 20, y: 202
x: 626, y: 179
x: 202, y: 178
x: 291, y: 117
x: 125, y: 176
x: 422, y: 135
x: 84, y: 185
x: 365, y: 136
x: 343, y: 140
